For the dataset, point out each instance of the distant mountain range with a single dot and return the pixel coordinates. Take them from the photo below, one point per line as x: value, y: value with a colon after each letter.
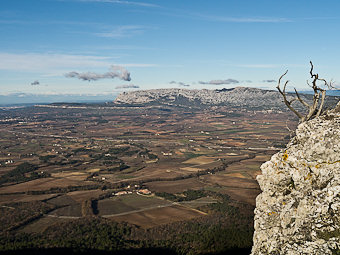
x: 26, y: 98
x: 239, y: 96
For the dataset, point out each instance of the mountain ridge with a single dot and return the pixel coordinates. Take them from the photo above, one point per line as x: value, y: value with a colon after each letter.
x: 235, y: 97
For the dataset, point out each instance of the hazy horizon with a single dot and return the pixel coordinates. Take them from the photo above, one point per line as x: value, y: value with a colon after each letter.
x: 29, y: 98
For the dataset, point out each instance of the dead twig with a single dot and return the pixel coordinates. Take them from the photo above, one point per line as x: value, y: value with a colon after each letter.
x: 314, y: 109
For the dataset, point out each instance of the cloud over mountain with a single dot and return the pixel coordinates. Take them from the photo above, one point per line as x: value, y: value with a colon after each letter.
x: 36, y: 82
x: 219, y: 82
x: 116, y: 72
x: 180, y: 83
x: 127, y: 86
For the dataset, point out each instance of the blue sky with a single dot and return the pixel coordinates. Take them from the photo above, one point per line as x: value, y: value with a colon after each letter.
x: 70, y: 46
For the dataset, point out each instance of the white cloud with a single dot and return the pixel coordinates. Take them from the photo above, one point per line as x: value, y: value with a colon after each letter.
x: 36, y: 82
x: 252, y: 20
x: 123, y: 31
x: 138, y: 65
x: 219, y: 82
x: 243, y: 19
x: 57, y: 63
x: 55, y: 93
x: 38, y: 62
x: 127, y: 86
x: 284, y: 65
x: 180, y: 83
x: 143, y: 4
x: 115, y: 72
x: 258, y: 66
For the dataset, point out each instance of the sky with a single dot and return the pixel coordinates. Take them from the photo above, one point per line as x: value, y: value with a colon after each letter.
x: 108, y: 46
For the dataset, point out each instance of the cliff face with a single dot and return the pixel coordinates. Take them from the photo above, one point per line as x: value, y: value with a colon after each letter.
x: 298, y: 211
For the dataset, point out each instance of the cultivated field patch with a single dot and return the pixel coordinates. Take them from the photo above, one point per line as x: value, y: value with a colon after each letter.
x: 159, y: 216
x: 129, y: 203
x: 42, y: 184
x: 42, y: 224
x: 238, y: 175
x: 110, y: 207
x: 229, y: 181
x: 199, y: 202
x: 93, y: 170
x: 62, y: 200
x: 200, y: 160
x: 250, y: 166
x: 75, y: 176
x: 81, y: 195
x: 175, y: 186
x: 73, y: 210
x: 243, y: 195
x: 23, y: 198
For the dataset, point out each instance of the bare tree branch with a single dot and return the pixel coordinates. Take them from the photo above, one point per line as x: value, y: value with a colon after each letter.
x: 291, y: 132
x: 322, y: 103
x: 283, y: 93
x: 300, y: 99
x: 293, y: 100
x: 315, y: 109
x: 308, y: 84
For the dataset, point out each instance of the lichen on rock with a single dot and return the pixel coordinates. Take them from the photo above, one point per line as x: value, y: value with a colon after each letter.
x: 298, y: 211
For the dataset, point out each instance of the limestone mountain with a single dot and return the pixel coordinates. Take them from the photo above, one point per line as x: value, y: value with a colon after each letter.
x: 244, y: 97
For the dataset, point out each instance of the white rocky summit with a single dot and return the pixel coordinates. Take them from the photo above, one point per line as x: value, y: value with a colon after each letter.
x: 298, y: 211
x: 242, y: 97
x: 239, y: 96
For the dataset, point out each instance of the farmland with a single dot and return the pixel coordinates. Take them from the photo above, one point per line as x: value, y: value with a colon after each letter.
x: 152, y: 167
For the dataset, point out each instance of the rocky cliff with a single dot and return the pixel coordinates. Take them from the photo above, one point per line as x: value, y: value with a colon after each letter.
x: 298, y: 211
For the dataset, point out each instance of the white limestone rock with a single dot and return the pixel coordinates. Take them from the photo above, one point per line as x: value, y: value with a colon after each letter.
x: 298, y: 211
x: 239, y: 96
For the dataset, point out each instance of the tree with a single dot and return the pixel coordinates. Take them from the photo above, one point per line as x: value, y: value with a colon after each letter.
x: 314, y: 109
